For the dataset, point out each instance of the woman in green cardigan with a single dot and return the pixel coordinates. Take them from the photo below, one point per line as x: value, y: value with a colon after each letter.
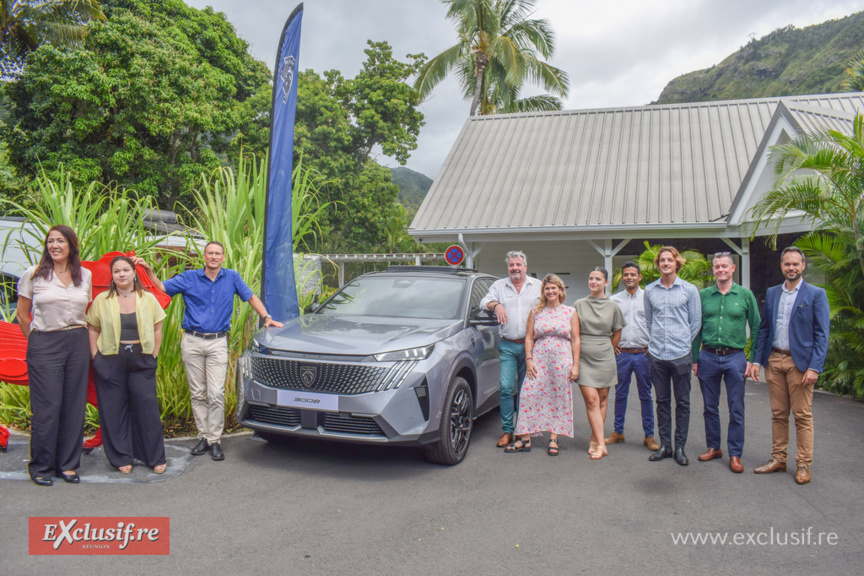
x: 125, y: 326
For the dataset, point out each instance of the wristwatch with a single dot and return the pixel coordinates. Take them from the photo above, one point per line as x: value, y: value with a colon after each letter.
x: 268, y: 317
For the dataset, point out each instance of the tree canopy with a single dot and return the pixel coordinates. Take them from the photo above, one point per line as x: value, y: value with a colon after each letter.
x: 162, y: 93
x: 158, y: 94
x: 340, y: 122
x: 25, y: 24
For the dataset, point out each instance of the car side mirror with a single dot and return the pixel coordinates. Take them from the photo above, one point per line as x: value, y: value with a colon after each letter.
x: 484, y: 318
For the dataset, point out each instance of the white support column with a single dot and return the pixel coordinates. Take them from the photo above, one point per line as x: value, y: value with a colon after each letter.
x: 341, y: 274
x: 744, y: 253
x: 608, y: 253
x: 470, y: 252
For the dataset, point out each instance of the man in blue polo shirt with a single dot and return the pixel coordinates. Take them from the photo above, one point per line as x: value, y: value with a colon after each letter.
x: 209, y: 297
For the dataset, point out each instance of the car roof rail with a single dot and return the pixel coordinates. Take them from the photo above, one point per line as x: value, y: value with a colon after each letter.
x: 435, y: 269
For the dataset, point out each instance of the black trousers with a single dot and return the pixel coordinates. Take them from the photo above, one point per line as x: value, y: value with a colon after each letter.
x: 57, y: 367
x: 128, y: 407
x: 672, y: 376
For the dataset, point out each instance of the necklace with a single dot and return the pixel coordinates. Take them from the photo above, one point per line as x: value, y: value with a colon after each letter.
x: 124, y: 295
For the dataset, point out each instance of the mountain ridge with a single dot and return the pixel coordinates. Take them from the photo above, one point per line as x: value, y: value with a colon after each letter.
x: 787, y: 62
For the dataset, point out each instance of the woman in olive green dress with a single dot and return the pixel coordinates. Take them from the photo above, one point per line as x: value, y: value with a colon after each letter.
x: 600, y: 324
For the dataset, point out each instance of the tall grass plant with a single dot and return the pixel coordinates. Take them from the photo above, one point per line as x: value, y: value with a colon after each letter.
x: 229, y: 208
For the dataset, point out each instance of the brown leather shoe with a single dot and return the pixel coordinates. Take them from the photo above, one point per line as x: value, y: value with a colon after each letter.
x: 771, y: 467
x: 710, y: 454
x: 615, y: 438
x: 803, y: 475
x: 504, y: 440
x: 735, y: 465
x: 650, y: 443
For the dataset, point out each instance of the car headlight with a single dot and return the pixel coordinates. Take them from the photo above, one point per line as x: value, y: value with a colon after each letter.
x: 420, y: 353
x: 244, y: 365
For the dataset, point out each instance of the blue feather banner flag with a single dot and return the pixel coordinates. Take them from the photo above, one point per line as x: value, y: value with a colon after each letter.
x: 277, y: 281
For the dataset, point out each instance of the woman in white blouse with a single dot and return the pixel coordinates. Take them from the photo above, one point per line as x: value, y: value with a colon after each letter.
x: 52, y: 304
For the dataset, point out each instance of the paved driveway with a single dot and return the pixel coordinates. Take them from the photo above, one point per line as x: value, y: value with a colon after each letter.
x: 318, y: 508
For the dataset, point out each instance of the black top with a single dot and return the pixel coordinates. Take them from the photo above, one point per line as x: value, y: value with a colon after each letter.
x: 129, y: 327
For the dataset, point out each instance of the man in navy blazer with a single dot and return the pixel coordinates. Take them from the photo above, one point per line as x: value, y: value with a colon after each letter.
x: 792, y: 344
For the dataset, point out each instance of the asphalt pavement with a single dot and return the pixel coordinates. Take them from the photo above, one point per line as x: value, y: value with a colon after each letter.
x: 320, y: 508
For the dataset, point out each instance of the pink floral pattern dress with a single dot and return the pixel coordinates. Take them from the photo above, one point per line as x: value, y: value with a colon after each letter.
x: 546, y: 401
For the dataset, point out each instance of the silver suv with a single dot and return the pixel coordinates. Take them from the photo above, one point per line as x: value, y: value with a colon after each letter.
x: 404, y: 356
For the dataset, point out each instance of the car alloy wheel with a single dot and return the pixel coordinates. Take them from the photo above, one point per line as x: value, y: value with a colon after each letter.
x: 457, y: 422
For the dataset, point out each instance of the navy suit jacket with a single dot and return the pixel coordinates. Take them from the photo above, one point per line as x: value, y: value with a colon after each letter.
x: 808, y: 328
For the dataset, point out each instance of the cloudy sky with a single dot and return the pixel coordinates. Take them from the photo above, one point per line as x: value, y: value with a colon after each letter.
x: 617, y: 53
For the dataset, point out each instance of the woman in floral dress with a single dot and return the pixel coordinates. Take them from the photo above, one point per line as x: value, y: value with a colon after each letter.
x: 552, y: 355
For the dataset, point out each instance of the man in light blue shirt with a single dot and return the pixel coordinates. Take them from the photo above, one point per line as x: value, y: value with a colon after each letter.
x: 673, y: 313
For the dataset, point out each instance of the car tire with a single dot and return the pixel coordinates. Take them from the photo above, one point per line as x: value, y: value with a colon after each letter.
x: 457, y: 423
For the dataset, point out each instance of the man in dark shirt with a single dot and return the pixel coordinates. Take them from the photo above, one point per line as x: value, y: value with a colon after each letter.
x: 209, y: 297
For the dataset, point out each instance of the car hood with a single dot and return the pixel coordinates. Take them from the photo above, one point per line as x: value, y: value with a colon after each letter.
x: 355, y: 335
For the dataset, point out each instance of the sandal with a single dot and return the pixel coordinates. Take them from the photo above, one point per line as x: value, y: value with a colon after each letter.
x: 553, y: 451
x: 592, y: 446
x: 518, y: 446
x: 597, y: 453
x: 160, y: 468
x: 127, y: 469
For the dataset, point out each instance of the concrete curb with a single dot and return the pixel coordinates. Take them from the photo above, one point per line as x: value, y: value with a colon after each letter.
x: 13, y: 432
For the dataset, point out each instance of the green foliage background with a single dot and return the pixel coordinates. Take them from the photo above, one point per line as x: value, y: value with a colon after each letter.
x: 157, y: 94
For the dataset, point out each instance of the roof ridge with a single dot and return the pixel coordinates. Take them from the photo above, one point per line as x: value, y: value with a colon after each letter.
x: 678, y: 105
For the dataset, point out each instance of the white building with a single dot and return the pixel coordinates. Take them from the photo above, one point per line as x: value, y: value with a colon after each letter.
x: 584, y: 188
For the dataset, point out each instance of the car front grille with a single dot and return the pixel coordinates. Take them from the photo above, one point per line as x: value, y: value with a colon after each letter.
x: 275, y: 415
x: 327, y: 377
x: 337, y: 422
x: 342, y: 422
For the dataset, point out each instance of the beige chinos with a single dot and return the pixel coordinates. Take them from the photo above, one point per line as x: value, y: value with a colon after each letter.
x: 206, y: 364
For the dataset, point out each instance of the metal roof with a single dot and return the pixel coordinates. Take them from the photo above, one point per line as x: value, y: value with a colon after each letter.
x: 672, y: 165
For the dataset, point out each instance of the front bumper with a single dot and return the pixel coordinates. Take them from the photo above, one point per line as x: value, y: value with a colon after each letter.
x: 401, y: 415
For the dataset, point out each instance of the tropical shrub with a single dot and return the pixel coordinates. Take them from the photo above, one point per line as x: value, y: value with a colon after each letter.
x: 696, y: 269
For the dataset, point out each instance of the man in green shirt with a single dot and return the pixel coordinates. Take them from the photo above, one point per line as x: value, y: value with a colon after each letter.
x: 727, y: 309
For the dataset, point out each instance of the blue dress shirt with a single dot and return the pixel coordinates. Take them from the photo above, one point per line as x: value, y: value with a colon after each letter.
x: 209, y: 303
x: 674, y: 317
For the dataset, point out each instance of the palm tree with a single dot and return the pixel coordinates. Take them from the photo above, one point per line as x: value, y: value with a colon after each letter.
x: 854, y: 80
x: 500, y: 48
x: 822, y: 176
x: 25, y: 24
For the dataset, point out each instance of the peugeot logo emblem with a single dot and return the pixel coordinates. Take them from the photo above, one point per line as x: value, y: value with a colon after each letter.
x: 308, y: 375
x: 287, y: 76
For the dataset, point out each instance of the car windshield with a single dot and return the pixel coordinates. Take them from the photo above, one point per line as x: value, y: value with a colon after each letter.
x: 399, y: 296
